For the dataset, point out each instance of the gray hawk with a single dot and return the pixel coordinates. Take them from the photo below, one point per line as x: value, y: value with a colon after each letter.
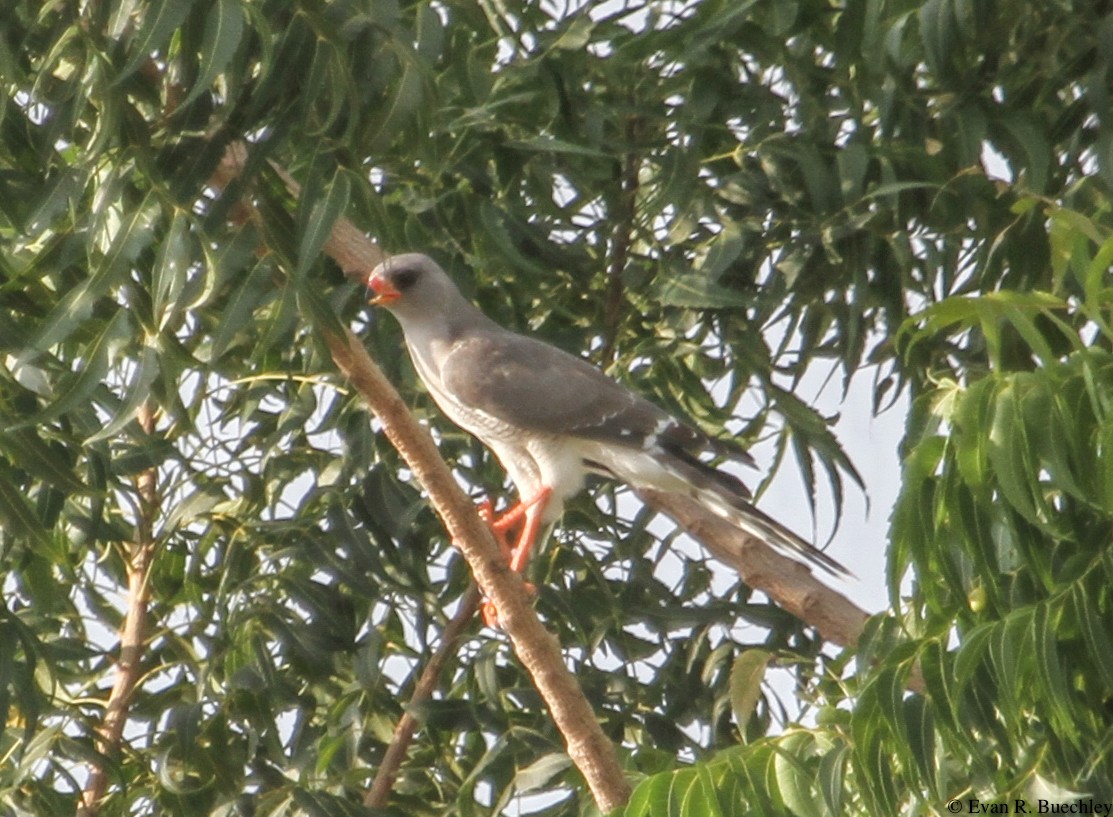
x: 552, y: 418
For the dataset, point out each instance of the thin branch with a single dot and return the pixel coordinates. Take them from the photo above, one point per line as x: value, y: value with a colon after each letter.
x: 621, y: 238
x: 133, y: 634
x: 383, y: 783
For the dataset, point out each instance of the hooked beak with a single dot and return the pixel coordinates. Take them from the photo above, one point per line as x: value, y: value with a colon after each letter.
x: 385, y: 294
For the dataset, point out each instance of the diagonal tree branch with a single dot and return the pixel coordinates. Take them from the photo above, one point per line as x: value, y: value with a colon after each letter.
x: 538, y: 650
x: 133, y: 634
x: 400, y: 741
x: 787, y: 582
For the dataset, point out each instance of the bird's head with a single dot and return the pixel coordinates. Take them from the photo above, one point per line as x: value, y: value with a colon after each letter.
x: 411, y: 282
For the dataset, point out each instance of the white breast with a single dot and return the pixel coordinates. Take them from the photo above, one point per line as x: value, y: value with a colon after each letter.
x: 531, y: 460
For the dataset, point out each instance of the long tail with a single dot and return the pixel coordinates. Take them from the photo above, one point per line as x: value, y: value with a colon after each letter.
x: 769, y: 530
x: 727, y: 497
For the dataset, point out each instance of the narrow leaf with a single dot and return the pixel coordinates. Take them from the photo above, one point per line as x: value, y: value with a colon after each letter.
x: 32, y: 454
x: 746, y: 676
x: 159, y: 23
x: 1095, y: 633
x: 170, y: 271
x: 91, y: 375
x: 223, y: 30
x: 541, y: 771
x: 17, y: 515
x: 239, y: 311
x: 324, y: 213
x: 74, y: 309
x: 137, y: 391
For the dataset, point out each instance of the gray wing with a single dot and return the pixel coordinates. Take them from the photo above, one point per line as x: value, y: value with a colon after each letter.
x: 531, y: 385
x: 538, y: 387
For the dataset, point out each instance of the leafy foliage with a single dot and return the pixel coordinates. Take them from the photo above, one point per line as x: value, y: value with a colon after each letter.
x: 708, y: 193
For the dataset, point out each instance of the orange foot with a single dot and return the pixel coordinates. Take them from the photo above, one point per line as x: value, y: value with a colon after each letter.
x: 528, y: 513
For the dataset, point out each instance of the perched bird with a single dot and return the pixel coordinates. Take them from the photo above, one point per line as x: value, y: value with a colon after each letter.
x: 552, y: 418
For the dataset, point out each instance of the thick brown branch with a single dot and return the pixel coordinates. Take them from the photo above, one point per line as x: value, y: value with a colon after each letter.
x: 787, y: 582
x: 379, y: 792
x: 537, y: 649
x: 133, y: 633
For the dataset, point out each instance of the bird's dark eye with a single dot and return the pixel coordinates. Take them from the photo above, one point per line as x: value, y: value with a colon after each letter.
x: 404, y: 279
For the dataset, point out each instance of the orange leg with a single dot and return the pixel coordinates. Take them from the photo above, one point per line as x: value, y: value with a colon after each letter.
x: 534, y: 510
x: 486, y: 512
x: 531, y: 511
x: 513, y: 515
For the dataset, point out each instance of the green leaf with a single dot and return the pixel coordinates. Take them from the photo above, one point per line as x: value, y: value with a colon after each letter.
x: 687, y: 795
x: 138, y: 390
x: 550, y: 144
x: 1009, y: 651
x: 312, y: 305
x: 1049, y: 670
x: 16, y: 512
x: 650, y: 797
x: 408, y: 94
x: 707, y: 799
x: 919, y: 728
x: 1021, y: 320
x: 972, y: 653
x: 577, y: 34
x: 541, y: 771
x: 971, y: 417
x: 1095, y: 634
x: 170, y: 271
x: 239, y: 313
x: 40, y: 459
x: 74, y: 308
x: 1096, y: 291
x: 1027, y: 133
x: 697, y: 291
x: 224, y: 25
x: 1008, y: 452
x: 160, y: 22
x: 322, y: 216
x: 832, y: 774
x: 79, y: 386
x: 195, y: 507
x: 939, y: 34
x: 794, y: 779
x: 939, y: 316
x: 746, y: 676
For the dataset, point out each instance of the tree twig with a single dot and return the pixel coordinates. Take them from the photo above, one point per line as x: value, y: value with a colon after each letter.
x: 620, y: 246
x: 400, y: 741
x: 133, y: 633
